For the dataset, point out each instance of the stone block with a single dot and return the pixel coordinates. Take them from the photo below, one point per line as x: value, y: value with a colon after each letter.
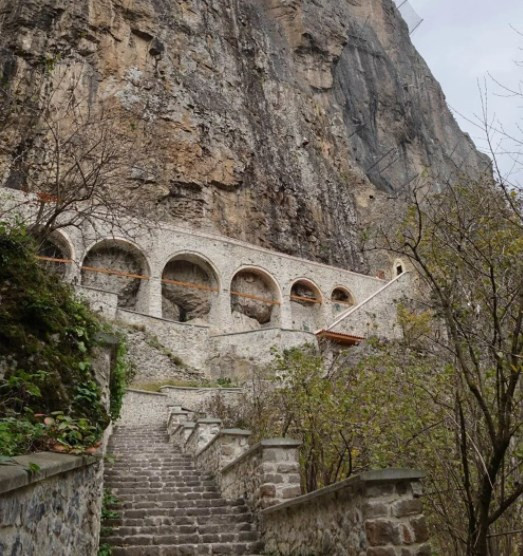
x: 421, y: 531
x: 381, y: 551
x: 267, y: 490
x: 406, y: 508
x: 380, y: 532
x: 375, y: 509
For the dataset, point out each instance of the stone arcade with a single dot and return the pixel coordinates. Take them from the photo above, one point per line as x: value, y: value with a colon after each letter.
x: 214, y: 300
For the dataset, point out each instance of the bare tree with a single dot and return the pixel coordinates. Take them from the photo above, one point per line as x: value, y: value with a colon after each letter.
x: 80, y: 159
x: 467, y: 246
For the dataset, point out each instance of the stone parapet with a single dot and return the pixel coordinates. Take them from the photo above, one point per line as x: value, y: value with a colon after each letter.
x: 54, y: 510
x: 204, y: 431
x: 176, y: 417
x: 182, y: 432
x: 377, y: 513
x: 223, y: 449
x: 265, y: 475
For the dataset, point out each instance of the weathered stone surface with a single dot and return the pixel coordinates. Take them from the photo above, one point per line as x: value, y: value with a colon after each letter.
x: 353, y: 517
x: 252, y: 476
x: 168, y: 506
x: 274, y: 121
x: 58, y: 512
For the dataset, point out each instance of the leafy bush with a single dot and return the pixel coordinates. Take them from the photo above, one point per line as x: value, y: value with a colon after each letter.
x: 49, y: 394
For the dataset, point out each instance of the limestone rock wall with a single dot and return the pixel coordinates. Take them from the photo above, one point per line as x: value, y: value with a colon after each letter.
x: 284, y: 123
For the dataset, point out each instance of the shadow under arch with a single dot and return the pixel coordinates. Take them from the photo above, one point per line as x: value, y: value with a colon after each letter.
x: 118, y: 266
x: 342, y: 299
x: 190, y: 288
x: 255, y: 299
x: 306, y: 305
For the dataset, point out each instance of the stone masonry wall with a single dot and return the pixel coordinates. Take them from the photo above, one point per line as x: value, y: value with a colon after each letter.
x: 104, y: 303
x: 56, y: 511
x: 159, y: 243
x: 187, y: 343
x: 378, y: 316
x: 265, y: 475
x: 143, y: 408
x: 223, y: 449
x: 377, y: 513
x: 195, y: 399
x: 238, y: 354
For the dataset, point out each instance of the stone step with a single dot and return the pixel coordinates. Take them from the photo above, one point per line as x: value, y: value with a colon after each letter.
x: 189, y: 550
x: 165, y: 506
x: 192, y: 528
x: 175, y: 539
x: 182, y: 519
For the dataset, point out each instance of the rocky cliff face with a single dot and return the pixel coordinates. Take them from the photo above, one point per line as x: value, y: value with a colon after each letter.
x: 281, y: 122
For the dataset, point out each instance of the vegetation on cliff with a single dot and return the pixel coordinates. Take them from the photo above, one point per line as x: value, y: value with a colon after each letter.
x: 50, y: 397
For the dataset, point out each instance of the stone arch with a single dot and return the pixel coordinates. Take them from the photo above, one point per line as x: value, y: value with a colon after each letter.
x: 255, y: 299
x: 398, y: 268
x: 118, y: 266
x: 341, y: 299
x: 56, y: 246
x: 306, y: 305
x: 190, y: 288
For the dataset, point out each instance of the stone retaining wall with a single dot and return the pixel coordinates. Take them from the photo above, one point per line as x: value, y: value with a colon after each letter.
x: 224, y: 448
x: 239, y: 354
x: 54, y: 511
x: 101, y: 302
x: 265, y: 475
x: 143, y: 408
x: 377, y: 316
x: 377, y: 513
x: 186, y: 342
x: 195, y: 399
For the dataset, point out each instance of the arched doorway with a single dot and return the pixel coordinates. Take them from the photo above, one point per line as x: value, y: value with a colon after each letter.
x: 306, y: 306
x: 189, y: 289
x: 119, y: 267
x: 255, y: 300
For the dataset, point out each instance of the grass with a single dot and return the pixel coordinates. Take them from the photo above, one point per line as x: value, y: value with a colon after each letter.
x: 158, y: 385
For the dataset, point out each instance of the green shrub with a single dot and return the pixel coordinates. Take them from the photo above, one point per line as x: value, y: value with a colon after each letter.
x: 49, y: 395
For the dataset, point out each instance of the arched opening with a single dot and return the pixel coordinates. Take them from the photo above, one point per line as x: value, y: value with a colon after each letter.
x: 398, y: 268
x: 118, y: 267
x: 255, y: 300
x: 54, y: 251
x: 306, y: 304
x: 342, y: 300
x: 189, y: 289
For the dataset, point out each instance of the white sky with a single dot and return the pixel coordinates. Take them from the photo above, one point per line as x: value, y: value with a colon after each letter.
x: 465, y: 40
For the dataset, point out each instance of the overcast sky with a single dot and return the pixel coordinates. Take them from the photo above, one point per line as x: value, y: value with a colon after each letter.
x: 465, y: 40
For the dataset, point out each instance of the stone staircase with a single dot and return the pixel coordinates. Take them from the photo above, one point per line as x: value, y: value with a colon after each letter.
x: 165, y: 505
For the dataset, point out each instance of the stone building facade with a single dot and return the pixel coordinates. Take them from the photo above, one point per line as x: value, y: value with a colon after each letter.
x: 218, y: 303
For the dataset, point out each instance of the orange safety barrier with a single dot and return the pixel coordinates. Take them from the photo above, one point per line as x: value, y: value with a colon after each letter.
x: 53, y: 260
x: 189, y: 285
x: 115, y: 272
x: 306, y: 299
x: 165, y: 281
x: 256, y: 298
